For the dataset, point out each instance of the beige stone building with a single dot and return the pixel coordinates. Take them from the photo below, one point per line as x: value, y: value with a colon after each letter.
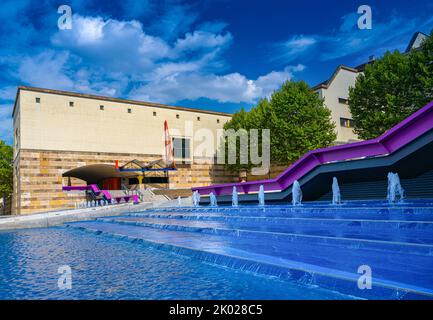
x: 335, y: 92
x: 60, y: 136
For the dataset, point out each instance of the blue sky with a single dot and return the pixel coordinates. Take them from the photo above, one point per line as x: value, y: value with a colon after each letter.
x: 211, y: 54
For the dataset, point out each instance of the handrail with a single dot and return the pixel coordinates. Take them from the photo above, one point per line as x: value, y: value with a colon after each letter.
x: 398, y: 136
x: 96, y: 191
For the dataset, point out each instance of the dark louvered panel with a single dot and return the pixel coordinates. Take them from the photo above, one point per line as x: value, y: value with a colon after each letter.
x: 419, y: 187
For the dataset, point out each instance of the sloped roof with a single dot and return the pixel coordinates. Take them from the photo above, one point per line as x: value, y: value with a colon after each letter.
x: 414, y: 43
x: 325, y: 84
x: 416, y: 40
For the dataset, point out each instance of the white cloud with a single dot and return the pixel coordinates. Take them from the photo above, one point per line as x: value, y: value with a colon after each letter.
x: 271, y: 81
x: 157, y: 70
x: 199, y: 40
x: 87, y: 30
x: 176, y: 19
x: 232, y: 87
x: 6, y: 131
x: 109, y: 57
x: 123, y: 45
x: 8, y: 93
x: 300, y: 43
x: 293, y: 48
x: 115, y: 45
x: 59, y: 70
x: 348, y: 39
x: 46, y: 69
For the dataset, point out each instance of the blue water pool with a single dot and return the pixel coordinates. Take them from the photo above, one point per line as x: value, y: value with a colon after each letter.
x: 312, y: 251
x: 105, y: 267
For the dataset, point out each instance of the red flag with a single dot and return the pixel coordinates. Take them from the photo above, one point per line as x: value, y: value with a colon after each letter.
x: 169, y: 154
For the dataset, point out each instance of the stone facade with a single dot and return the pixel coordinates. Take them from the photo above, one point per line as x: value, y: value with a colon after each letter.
x: 38, y: 177
x: 57, y: 131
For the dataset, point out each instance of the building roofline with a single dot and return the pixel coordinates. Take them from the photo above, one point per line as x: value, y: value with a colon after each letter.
x: 413, y: 39
x: 327, y: 83
x: 111, y: 99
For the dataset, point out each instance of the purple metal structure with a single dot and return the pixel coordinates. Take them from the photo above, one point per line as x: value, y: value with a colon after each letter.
x: 105, y: 193
x: 395, y: 138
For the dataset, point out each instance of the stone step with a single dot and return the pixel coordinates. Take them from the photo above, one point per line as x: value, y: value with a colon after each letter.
x: 403, y: 214
x: 395, y: 274
x: 413, y: 231
x: 364, y: 239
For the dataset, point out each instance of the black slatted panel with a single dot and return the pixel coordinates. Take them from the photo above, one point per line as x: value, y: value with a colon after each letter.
x: 419, y: 187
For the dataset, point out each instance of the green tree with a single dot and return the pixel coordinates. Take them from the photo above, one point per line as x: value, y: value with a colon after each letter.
x: 239, y: 121
x: 390, y: 89
x: 297, y: 120
x: 6, y: 170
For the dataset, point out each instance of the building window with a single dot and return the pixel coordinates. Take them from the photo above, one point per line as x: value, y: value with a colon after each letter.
x: 71, y: 103
x: 154, y: 113
x: 347, y: 123
x: 177, y: 116
x: 343, y: 101
x: 38, y: 100
x: 198, y: 118
x: 182, y: 148
x: 129, y: 110
x: 101, y: 108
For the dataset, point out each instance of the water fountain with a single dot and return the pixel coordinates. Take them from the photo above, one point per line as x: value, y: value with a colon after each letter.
x: 336, y: 194
x: 196, y: 199
x: 179, y: 201
x: 296, y: 193
x: 213, y: 200
x: 235, y: 201
x: 395, y: 190
x: 261, y: 195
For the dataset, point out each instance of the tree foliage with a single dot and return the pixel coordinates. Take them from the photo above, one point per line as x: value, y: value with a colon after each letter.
x: 6, y: 170
x: 299, y: 122
x: 392, y: 88
x: 297, y: 119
